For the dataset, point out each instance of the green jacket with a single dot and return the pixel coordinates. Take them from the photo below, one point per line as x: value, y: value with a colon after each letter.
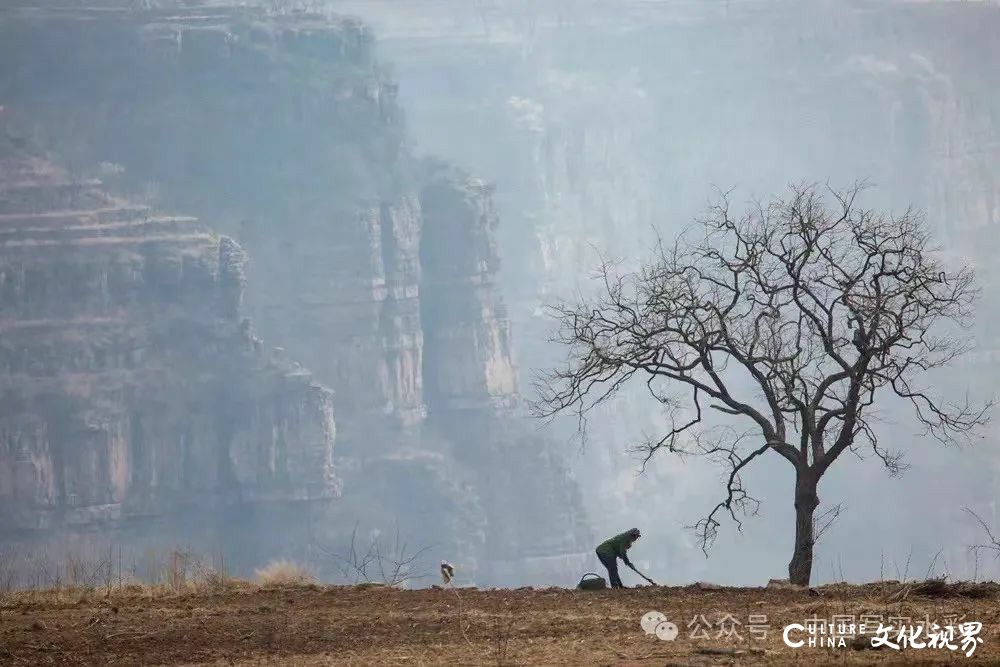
x: 616, y: 546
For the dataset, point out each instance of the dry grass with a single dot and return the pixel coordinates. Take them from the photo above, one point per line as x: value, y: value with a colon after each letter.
x: 79, y: 576
x: 284, y: 573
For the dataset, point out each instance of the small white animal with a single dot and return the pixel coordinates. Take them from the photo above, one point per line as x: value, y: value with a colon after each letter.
x: 447, y: 572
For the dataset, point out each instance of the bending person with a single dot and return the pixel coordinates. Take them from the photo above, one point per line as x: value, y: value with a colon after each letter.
x: 610, y: 550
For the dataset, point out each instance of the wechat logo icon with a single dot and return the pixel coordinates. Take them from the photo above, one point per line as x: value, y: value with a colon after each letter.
x: 655, y: 623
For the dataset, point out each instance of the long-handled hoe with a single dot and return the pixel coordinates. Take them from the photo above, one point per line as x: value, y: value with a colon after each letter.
x: 632, y: 567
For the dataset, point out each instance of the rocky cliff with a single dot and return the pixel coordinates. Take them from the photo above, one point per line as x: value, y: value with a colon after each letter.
x: 129, y: 384
x: 377, y: 271
x: 467, y: 339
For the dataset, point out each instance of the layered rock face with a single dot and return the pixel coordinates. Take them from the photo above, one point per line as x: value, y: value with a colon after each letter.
x: 376, y: 270
x: 286, y: 132
x: 467, y: 334
x: 129, y: 384
x: 472, y: 396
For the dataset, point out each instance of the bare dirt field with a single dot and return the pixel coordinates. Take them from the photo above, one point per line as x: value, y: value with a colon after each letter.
x: 244, y: 624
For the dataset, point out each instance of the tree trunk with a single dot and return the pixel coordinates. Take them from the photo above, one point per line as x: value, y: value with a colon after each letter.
x: 806, y: 501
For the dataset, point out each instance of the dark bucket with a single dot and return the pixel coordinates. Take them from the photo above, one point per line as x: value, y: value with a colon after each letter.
x: 595, y: 582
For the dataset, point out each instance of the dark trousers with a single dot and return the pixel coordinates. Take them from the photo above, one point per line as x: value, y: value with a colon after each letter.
x: 611, y: 563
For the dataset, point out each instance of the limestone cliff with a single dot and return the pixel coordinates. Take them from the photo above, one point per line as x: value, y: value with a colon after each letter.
x: 129, y: 385
x: 284, y: 131
x: 471, y: 388
x: 372, y: 268
x: 467, y: 334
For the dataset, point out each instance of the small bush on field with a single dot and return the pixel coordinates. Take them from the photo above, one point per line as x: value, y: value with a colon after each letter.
x: 283, y: 573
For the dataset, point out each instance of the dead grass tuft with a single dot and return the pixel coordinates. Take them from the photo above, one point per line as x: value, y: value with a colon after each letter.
x: 284, y: 573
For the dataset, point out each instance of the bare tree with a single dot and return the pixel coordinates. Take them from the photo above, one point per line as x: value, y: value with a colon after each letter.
x: 393, y: 565
x: 993, y: 545
x: 788, y: 322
